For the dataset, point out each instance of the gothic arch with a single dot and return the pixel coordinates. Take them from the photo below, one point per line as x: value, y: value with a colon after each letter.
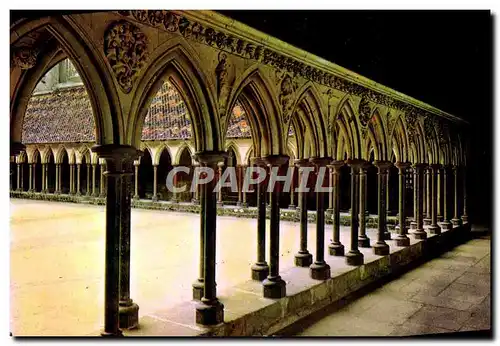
x: 159, y: 152
x: 346, y: 119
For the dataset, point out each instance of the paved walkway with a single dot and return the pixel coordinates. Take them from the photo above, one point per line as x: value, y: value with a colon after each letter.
x: 448, y: 294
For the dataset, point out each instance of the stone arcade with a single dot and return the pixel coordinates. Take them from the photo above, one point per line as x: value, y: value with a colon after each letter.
x: 155, y: 89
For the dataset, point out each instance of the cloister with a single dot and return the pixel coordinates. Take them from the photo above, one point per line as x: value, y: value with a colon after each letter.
x: 105, y: 104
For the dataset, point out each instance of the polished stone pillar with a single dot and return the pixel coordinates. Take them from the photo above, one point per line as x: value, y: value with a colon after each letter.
x: 94, y: 192
x: 402, y: 238
x: 199, y: 284
x: 434, y: 227
x: 418, y: 170
x: 34, y: 177
x: 464, y: 217
x: 58, y: 174
x: 260, y: 269
x: 155, y: 184
x: 336, y: 248
x: 43, y: 178
x: 78, y: 192
x: 363, y: 240
x: 354, y: 256
x: 413, y: 223
x: 303, y: 258
x: 31, y: 165
x: 320, y: 270
x: 87, y: 193
x: 274, y: 286
x: 136, y: 180
x: 117, y: 157
x: 456, y: 218
x: 329, y: 211
x: 128, y: 310
x: 71, y: 179
x: 428, y: 185
x: 440, y: 199
x: 292, y: 190
x: 210, y: 310
x: 381, y: 248
x: 244, y: 203
x: 220, y: 165
x: 446, y: 224
x: 18, y: 185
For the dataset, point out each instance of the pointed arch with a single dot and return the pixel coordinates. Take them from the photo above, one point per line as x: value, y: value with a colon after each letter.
x: 163, y: 147
x: 346, y: 117
x: 234, y: 146
x: 180, y: 151
x: 399, y: 140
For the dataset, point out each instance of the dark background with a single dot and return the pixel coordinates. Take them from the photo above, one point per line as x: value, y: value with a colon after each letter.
x: 444, y: 58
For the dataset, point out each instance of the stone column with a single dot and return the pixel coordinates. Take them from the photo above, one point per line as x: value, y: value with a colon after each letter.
x: 381, y: 248
x: 58, y: 186
x: 244, y: 203
x: 71, y: 179
x: 303, y: 258
x: 136, y: 180
x: 354, y: 256
x: 320, y: 270
x: 292, y: 205
x: 78, y: 192
x: 239, y: 183
x: 440, y: 195
x: 43, y: 178
x: 413, y: 223
x: 22, y: 177
x: 402, y: 238
x: 464, y: 217
x: 329, y: 211
x: 18, y: 186
x: 456, y: 219
x: 31, y: 165
x: 199, y: 284
x: 418, y: 170
x: 94, y: 192
x: 427, y: 219
x: 388, y: 206
x: 101, y: 190
x: 210, y: 310
x: 155, y: 183
x: 274, y: 286
x: 34, y: 177
x: 219, y: 176
x: 47, y: 178
x: 446, y: 224
x: 87, y: 193
x: 117, y: 157
x: 434, y: 227
x: 260, y: 270
x: 363, y: 240
x: 335, y: 247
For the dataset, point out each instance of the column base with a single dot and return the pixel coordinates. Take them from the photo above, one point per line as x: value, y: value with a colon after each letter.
x: 413, y: 225
x: 195, y: 201
x: 402, y: 240
x: 336, y: 249
x: 427, y: 222
x: 381, y: 248
x: 136, y: 197
x: 198, y: 288
x: 354, y: 258
x: 154, y: 198
x: 238, y: 204
x: 319, y: 271
x: 274, y: 287
x: 220, y: 204
x: 292, y: 207
x: 363, y: 241
x: 303, y: 259
x: 260, y: 271
x: 118, y: 334
x: 420, y: 234
x: 210, y: 313
x: 244, y: 205
x: 78, y: 194
x: 387, y: 235
x: 446, y: 225
x: 434, y: 229
x: 440, y: 218
x: 465, y: 218
x: 456, y: 222
x: 129, y: 315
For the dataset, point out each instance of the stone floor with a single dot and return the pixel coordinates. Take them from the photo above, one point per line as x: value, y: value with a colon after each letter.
x: 448, y: 294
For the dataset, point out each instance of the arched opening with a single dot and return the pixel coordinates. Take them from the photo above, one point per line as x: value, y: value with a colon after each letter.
x: 372, y: 186
x: 13, y: 174
x: 25, y: 175
x: 146, y: 176
x: 84, y: 176
x: 393, y: 188
x: 37, y: 171
x: 229, y: 197
x: 182, y: 178
x: 64, y: 172
x: 164, y: 166
x: 50, y: 177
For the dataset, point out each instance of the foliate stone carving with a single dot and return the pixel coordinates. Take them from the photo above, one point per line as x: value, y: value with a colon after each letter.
x: 429, y: 127
x: 287, y: 91
x: 125, y: 47
x: 24, y: 57
x: 222, y: 81
x: 364, y: 111
x: 176, y: 22
x: 391, y: 121
x: 411, y: 121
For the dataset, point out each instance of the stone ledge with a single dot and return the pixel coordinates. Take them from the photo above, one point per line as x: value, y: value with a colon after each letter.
x: 247, y: 313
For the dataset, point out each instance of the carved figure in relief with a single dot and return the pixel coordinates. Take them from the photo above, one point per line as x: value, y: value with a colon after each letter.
x: 222, y: 81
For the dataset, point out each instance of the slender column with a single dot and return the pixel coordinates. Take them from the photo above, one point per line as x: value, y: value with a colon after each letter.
x: 101, y: 191
x: 155, y: 183
x: 440, y: 195
x: 274, y: 286
x: 363, y: 240
x: 219, y: 176
x: 58, y: 187
x: 78, y: 192
x: 31, y: 165
x: 260, y: 270
x: 199, y: 284
x: 244, y: 203
x: 329, y: 211
x: 427, y: 219
x: 381, y: 248
x: 88, y: 179
x: 354, y: 256
x: 18, y: 186
x: 434, y: 227
x: 175, y: 197
x: 34, y: 177
x: 402, y: 238
x: 136, y: 180
x: 418, y: 171
x: 47, y: 178
x: 22, y: 177
x: 94, y: 192
x: 387, y: 233
x: 320, y: 270
x: 335, y: 247
x: 303, y: 258
x: 60, y: 178
x: 210, y: 310
x: 239, y: 183
x: 446, y: 224
x: 413, y: 223
x: 292, y: 190
x: 43, y: 178
x: 116, y: 157
x: 71, y: 179
x: 424, y: 189
x: 456, y: 219
x: 464, y: 217
x: 196, y: 193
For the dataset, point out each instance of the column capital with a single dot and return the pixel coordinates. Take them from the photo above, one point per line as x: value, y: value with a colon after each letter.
x: 382, y: 165
x: 355, y: 162
x: 419, y: 167
x: 210, y: 158
x: 117, y: 156
x: 435, y: 166
x: 302, y: 163
x: 336, y: 164
x: 276, y: 160
x: 258, y: 161
x: 320, y: 161
x: 402, y: 165
x: 16, y: 148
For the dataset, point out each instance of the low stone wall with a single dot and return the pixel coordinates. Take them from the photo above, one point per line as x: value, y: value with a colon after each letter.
x: 250, y: 212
